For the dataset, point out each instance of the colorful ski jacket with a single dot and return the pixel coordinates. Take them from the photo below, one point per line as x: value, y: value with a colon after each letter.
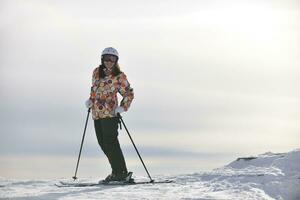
x: 104, y: 94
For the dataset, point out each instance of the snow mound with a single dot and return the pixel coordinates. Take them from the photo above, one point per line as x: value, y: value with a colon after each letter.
x: 264, y: 177
x: 277, y: 174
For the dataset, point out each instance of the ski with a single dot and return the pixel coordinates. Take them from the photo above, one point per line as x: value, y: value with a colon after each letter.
x: 113, y: 183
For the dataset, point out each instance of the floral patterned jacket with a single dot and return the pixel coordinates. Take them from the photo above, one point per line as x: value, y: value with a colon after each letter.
x: 104, y: 94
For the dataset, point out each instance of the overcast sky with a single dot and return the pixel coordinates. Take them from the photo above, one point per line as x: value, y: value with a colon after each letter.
x: 209, y: 76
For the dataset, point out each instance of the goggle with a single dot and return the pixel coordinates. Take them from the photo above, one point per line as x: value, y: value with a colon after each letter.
x: 110, y: 58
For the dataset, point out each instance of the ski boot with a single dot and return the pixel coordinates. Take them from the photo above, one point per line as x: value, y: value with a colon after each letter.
x: 121, y: 177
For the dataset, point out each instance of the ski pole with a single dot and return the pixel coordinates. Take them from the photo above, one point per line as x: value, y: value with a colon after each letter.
x: 120, y: 117
x: 82, y: 140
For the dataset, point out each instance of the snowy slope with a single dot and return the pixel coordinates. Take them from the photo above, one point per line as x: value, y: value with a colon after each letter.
x: 278, y: 175
x: 266, y: 176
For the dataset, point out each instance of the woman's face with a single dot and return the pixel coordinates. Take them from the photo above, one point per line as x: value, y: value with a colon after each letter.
x: 109, y: 61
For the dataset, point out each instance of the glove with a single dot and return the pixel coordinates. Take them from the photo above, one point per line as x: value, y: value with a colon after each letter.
x: 88, y: 103
x: 119, y: 109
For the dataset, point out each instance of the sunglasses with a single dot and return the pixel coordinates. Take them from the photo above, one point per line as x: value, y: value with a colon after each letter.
x: 109, y: 58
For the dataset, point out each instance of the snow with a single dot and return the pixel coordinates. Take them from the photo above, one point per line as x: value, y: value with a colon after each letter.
x: 266, y: 176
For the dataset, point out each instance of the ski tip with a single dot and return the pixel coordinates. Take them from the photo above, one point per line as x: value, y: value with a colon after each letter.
x: 58, y: 185
x: 163, y: 181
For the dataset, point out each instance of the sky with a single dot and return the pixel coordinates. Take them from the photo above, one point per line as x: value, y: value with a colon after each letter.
x: 213, y: 80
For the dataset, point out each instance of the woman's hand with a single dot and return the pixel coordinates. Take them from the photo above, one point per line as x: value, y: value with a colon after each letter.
x: 88, y: 103
x: 119, y: 109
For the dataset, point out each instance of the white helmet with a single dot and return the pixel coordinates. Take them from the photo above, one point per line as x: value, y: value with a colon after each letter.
x: 110, y: 51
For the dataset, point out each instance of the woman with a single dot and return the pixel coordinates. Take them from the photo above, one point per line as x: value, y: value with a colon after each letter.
x: 107, y: 81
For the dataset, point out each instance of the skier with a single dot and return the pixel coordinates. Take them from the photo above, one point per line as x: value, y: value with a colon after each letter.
x: 107, y: 81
